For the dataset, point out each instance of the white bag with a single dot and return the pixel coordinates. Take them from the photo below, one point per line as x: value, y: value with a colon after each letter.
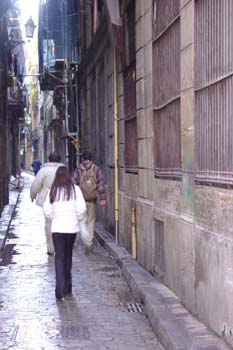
x: 84, y: 232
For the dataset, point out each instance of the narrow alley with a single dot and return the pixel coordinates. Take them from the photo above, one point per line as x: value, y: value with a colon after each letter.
x: 131, y: 100
x: 96, y: 317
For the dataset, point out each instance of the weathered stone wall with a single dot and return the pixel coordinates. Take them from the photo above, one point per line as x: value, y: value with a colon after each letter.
x: 184, y: 231
x: 4, y: 124
x: 196, y: 220
x: 101, y: 59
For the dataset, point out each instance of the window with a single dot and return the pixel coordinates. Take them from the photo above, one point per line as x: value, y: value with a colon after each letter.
x: 213, y: 92
x: 129, y: 74
x: 166, y: 88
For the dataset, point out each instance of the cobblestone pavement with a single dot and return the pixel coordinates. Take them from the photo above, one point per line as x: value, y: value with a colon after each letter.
x: 95, y: 318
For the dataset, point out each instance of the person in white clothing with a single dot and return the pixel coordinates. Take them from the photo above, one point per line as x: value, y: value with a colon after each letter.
x: 39, y: 189
x: 66, y: 208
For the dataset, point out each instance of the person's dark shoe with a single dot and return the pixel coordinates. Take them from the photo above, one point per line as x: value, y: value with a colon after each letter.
x: 60, y: 299
x: 68, y: 295
x: 59, y: 294
x: 87, y: 250
x: 68, y: 291
x: 50, y: 253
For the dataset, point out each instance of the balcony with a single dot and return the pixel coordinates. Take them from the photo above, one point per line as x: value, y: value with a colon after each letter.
x: 53, y: 75
x: 14, y: 95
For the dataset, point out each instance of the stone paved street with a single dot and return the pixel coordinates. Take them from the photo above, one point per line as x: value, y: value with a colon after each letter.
x: 96, y: 317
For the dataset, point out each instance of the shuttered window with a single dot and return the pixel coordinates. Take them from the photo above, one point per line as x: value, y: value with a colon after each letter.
x: 129, y: 74
x: 214, y: 91
x: 166, y: 88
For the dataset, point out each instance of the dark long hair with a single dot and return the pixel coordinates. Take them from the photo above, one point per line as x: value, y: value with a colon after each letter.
x: 62, y: 187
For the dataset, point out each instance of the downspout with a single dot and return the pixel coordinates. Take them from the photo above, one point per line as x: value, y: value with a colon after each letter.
x: 116, y: 180
x: 77, y: 114
x: 95, y: 16
x: 134, y: 237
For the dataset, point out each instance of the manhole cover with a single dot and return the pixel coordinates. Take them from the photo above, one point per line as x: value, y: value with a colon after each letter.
x: 134, y: 307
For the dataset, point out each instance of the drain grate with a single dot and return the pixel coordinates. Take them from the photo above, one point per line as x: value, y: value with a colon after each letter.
x: 107, y: 269
x: 134, y: 307
x: 74, y: 332
x: 70, y: 332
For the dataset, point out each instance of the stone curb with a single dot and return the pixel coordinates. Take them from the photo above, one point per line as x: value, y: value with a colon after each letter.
x: 158, y: 301
x: 7, y: 215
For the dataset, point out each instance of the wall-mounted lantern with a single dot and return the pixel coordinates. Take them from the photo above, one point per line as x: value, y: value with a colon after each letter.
x: 30, y: 28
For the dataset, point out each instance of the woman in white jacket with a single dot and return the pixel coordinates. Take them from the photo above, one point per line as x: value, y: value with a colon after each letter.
x: 66, y: 207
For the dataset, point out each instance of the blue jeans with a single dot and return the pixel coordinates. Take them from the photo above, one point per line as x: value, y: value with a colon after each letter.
x: 63, y: 244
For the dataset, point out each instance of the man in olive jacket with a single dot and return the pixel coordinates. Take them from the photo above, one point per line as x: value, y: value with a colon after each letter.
x: 39, y: 189
x: 90, y: 171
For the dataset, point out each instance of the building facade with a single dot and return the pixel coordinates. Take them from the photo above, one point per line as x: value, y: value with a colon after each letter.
x: 174, y: 144
x: 58, y: 60
x: 11, y: 94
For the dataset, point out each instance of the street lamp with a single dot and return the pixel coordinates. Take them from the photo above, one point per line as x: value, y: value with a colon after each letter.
x: 30, y: 27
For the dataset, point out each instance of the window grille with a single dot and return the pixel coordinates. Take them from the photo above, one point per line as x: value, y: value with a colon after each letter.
x: 129, y: 74
x: 213, y: 91
x: 166, y: 88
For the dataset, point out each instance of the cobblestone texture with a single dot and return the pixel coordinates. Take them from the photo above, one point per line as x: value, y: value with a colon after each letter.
x: 95, y: 318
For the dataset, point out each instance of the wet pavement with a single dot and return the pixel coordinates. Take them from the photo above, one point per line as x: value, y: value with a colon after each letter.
x: 102, y: 314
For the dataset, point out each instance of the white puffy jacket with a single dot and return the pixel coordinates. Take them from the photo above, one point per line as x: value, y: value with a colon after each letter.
x: 67, y: 216
x: 43, y: 182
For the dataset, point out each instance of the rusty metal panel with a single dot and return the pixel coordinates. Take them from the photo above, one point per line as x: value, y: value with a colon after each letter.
x: 166, y: 89
x: 214, y: 87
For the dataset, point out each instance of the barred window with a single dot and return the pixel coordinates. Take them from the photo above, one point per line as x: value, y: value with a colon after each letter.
x: 213, y: 91
x: 129, y: 74
x: 166, y: 88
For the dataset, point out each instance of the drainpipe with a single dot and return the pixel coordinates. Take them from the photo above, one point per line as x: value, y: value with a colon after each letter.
x: 95, y: 16
x: 77, y: 114
x: 134, y: 238
x: 116, y: 185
